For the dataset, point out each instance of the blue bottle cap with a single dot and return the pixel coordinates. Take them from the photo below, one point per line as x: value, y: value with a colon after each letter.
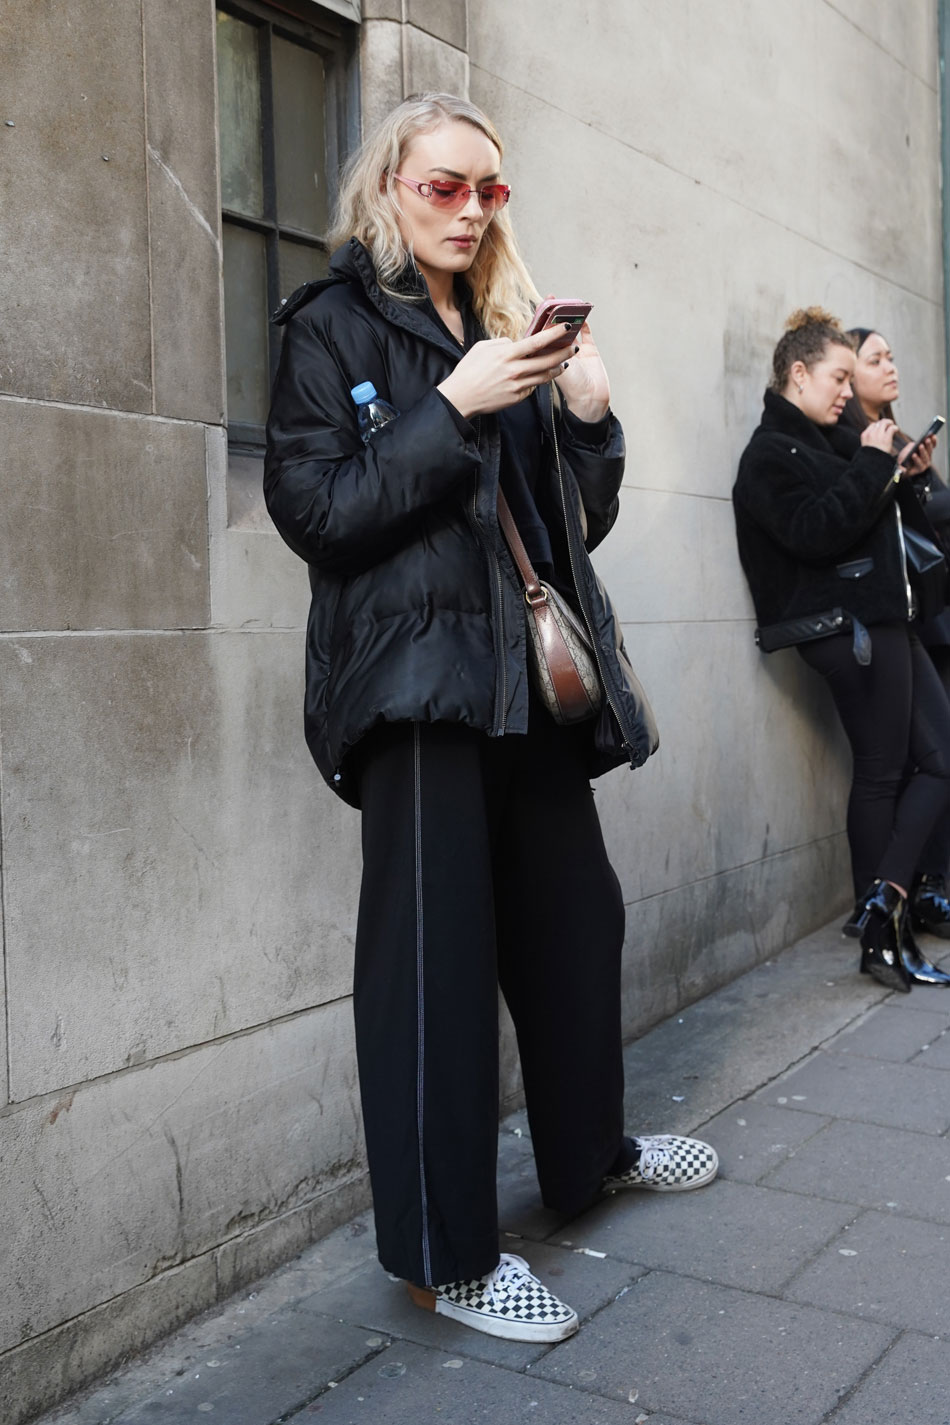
x: 364, y: 392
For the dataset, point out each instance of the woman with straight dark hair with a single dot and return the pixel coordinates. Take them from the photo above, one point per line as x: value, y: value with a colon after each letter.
x: 876, y: 384
x: 483, y: 858
x: 819, y: 514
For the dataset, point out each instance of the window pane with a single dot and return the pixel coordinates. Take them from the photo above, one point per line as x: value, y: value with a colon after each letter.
x: 245, y: 324
x: 239, y: 106
x: 300, y: 137
x: 299, y: 264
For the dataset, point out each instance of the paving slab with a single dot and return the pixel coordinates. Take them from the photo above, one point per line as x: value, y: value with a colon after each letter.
x: 891, y: 1031
x: 884, y: 1168
x: 911, y: 1384
x: 731, y: 1233
x: 271, y: 1372
x: 375, y: 1302
x: 725, y: 1046
x: 408, y: 1385
x: 753, y: 1138
x: 713, y: 1354
x: 936, y: 1055
x: 885, y: 1267
x: 898, y: 1095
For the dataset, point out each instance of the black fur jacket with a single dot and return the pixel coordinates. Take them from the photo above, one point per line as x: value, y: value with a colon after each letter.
x: 817, y: 521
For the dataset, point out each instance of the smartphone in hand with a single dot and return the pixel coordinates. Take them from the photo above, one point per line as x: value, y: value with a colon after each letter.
x: 557, y: 311
x: 936, y: 425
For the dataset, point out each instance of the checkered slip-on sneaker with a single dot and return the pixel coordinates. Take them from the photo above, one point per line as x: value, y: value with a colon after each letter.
x: 668, y: 1164
x: 509, y: 1302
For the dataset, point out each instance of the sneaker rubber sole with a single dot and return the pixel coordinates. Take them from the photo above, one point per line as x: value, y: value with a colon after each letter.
x: 491, y: 1325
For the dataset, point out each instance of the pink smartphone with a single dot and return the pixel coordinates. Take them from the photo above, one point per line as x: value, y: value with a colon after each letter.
x: 556, y: 311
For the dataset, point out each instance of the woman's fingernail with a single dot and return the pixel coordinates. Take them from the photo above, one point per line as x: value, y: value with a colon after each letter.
x: 576, y: 350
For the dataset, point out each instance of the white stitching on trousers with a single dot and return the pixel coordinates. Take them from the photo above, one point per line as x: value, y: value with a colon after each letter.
x: 420, y: 1001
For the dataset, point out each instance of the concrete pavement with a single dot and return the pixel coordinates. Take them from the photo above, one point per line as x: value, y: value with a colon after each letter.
x: 807, y: 1286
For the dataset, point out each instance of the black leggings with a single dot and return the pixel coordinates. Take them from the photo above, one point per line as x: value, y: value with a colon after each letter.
x: 896, y: 715
x: 935, y: 857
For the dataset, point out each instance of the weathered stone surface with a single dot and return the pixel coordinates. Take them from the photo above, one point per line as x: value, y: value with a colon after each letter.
x: 445, y: 19
x: 752, y: 1139
x: 912, y: 1382
x: 256, y: 580
x: 667, y: 1339
x: 176, y: 871
x: 111, y: 1184
x: 406, y: 1384
x: 433, y: 64
x: 381, y: 77
x: 892, y: 1095
x: 731, y: 1233
x: 74, y: 281
x: 885, y: 1168
x: 751, y: 762
x: 885, y: 1267
x: 895, y: 1034
x: 184, y: 228
x: 120, y: 504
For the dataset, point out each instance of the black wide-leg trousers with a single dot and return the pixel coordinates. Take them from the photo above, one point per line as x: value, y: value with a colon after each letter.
x: 483, y: 864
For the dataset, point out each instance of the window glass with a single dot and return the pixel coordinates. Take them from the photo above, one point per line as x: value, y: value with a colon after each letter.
x: 300, y: 137
x: 239, y: 104
x: 245, y: 324
x: 299, y: 264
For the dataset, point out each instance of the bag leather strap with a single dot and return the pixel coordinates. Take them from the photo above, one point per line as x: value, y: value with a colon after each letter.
x: 533, y: 590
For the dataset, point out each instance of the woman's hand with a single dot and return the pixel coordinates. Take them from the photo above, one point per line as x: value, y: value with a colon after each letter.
x: 584, y: 384
x: 498, y: 373
x: 880, y: 434
x: 922, y: 460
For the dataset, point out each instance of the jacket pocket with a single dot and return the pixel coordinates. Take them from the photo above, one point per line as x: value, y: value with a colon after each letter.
x: 856, y: 568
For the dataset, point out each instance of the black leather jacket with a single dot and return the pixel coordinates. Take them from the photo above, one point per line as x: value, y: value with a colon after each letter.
x: 417, y: 611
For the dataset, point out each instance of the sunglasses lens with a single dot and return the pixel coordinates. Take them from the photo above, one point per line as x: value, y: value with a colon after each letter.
x: 448, y: 195
x: 495, y: 195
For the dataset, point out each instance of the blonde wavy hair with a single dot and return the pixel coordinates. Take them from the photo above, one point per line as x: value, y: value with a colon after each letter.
x: 503, y: 294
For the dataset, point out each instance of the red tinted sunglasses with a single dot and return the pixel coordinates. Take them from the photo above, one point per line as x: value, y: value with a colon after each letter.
x: 448, y: 193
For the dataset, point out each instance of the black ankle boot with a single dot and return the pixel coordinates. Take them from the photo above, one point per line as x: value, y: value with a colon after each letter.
x: 930, y: 906
x: 919, y: 969
x: 881, y: 938
x: 858, y: 918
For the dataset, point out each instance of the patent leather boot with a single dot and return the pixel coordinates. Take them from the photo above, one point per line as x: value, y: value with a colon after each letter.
x: 858, y: 918
x: 930, y: 906
x: 919, y: 969
x: 881, y: 938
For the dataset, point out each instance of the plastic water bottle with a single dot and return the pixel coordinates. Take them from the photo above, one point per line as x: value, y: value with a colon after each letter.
x: 371, y: 412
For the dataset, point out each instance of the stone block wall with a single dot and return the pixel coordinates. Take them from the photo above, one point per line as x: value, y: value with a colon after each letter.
x: 178, y: 1096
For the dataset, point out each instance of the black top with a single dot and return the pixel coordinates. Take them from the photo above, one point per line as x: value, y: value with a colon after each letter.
x: 816, y: 521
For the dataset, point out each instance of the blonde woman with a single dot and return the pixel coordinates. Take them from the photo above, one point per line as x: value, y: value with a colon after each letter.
x: 483, y: 859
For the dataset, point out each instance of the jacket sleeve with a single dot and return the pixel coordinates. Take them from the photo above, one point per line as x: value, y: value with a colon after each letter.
x: 595, y: 453
x: 339, y: 504
x: 813, y: 523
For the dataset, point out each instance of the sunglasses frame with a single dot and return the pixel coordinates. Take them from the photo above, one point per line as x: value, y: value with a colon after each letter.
x: 462, y: 193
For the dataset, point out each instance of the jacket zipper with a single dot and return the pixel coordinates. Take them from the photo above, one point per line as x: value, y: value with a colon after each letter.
x: 903, y: 549
x: 498, y: 598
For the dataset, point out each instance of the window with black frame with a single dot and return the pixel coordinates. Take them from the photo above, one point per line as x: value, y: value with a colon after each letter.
x: 283, y: 104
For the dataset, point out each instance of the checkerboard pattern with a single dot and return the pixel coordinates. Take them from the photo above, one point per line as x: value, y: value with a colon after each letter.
x: 668, y: 1163
x: 509, y: 1302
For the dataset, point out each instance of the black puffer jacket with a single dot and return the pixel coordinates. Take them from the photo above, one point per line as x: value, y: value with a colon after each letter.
x: 417, y: 612
x: 816, y: 521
